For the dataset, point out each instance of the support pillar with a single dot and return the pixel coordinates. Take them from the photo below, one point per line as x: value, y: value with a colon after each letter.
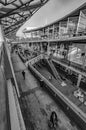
x: 48, y: 48
x: 53, y: 32
x: 56, y: 49
x: 32, y: 46
x: 84, y: 57
x: 79, y: 80
x: 27, y: 45
x: 41, y: 47
x: 61, y: 49
x: 68, y: 57
x: 83, y: 61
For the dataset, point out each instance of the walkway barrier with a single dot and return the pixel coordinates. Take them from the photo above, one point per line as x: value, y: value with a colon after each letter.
x: 70, y: 67
x: 8, y: 68
x: 34, y: 60
x: 16, y: 119
x: 22, y: 57
x: 57, y: 39
x: 15, y: 115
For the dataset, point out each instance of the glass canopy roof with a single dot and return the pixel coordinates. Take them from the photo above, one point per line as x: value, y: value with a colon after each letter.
x: 13, y: 13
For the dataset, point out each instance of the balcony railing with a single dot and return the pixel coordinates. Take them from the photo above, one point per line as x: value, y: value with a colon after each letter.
x: 54, y: 37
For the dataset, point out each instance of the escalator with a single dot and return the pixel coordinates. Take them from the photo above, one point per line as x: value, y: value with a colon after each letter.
x: 51, y: 65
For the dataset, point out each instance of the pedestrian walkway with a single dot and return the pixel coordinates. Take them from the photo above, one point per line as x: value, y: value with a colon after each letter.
x: 18, y: 66
x: 29, y: 89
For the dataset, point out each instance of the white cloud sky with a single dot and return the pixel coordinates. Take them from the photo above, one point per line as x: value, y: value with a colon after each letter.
x: 52, y: 11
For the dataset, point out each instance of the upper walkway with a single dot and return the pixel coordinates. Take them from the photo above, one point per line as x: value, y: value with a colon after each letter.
x: 72, y: 27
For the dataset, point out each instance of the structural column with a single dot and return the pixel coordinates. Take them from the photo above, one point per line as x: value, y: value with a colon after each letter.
x: 79, y: 80
x: 31, y: 45
x: 84, y: 57
x: 53, y: 32
x: 26, y: 45
x: 56, y: 49
x: 48, y: 48
x: 61, y: 49
x: 41, y: 47
x: 83, y: 60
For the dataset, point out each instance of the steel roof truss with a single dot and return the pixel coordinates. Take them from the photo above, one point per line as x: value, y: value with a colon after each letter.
x: 14, y: 13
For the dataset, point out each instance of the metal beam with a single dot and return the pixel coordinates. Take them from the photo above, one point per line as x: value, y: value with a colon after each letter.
x: 14, y: 17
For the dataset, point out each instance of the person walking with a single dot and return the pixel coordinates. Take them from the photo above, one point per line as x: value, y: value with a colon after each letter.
x: 54, y: 120
x: 23, y: 73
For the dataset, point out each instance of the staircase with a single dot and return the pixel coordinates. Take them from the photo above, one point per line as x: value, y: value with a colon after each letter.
x: 53, y: 69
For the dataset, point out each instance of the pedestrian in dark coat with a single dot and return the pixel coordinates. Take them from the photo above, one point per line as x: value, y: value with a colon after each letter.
x: 54, y: 119
x: 23, y: 73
